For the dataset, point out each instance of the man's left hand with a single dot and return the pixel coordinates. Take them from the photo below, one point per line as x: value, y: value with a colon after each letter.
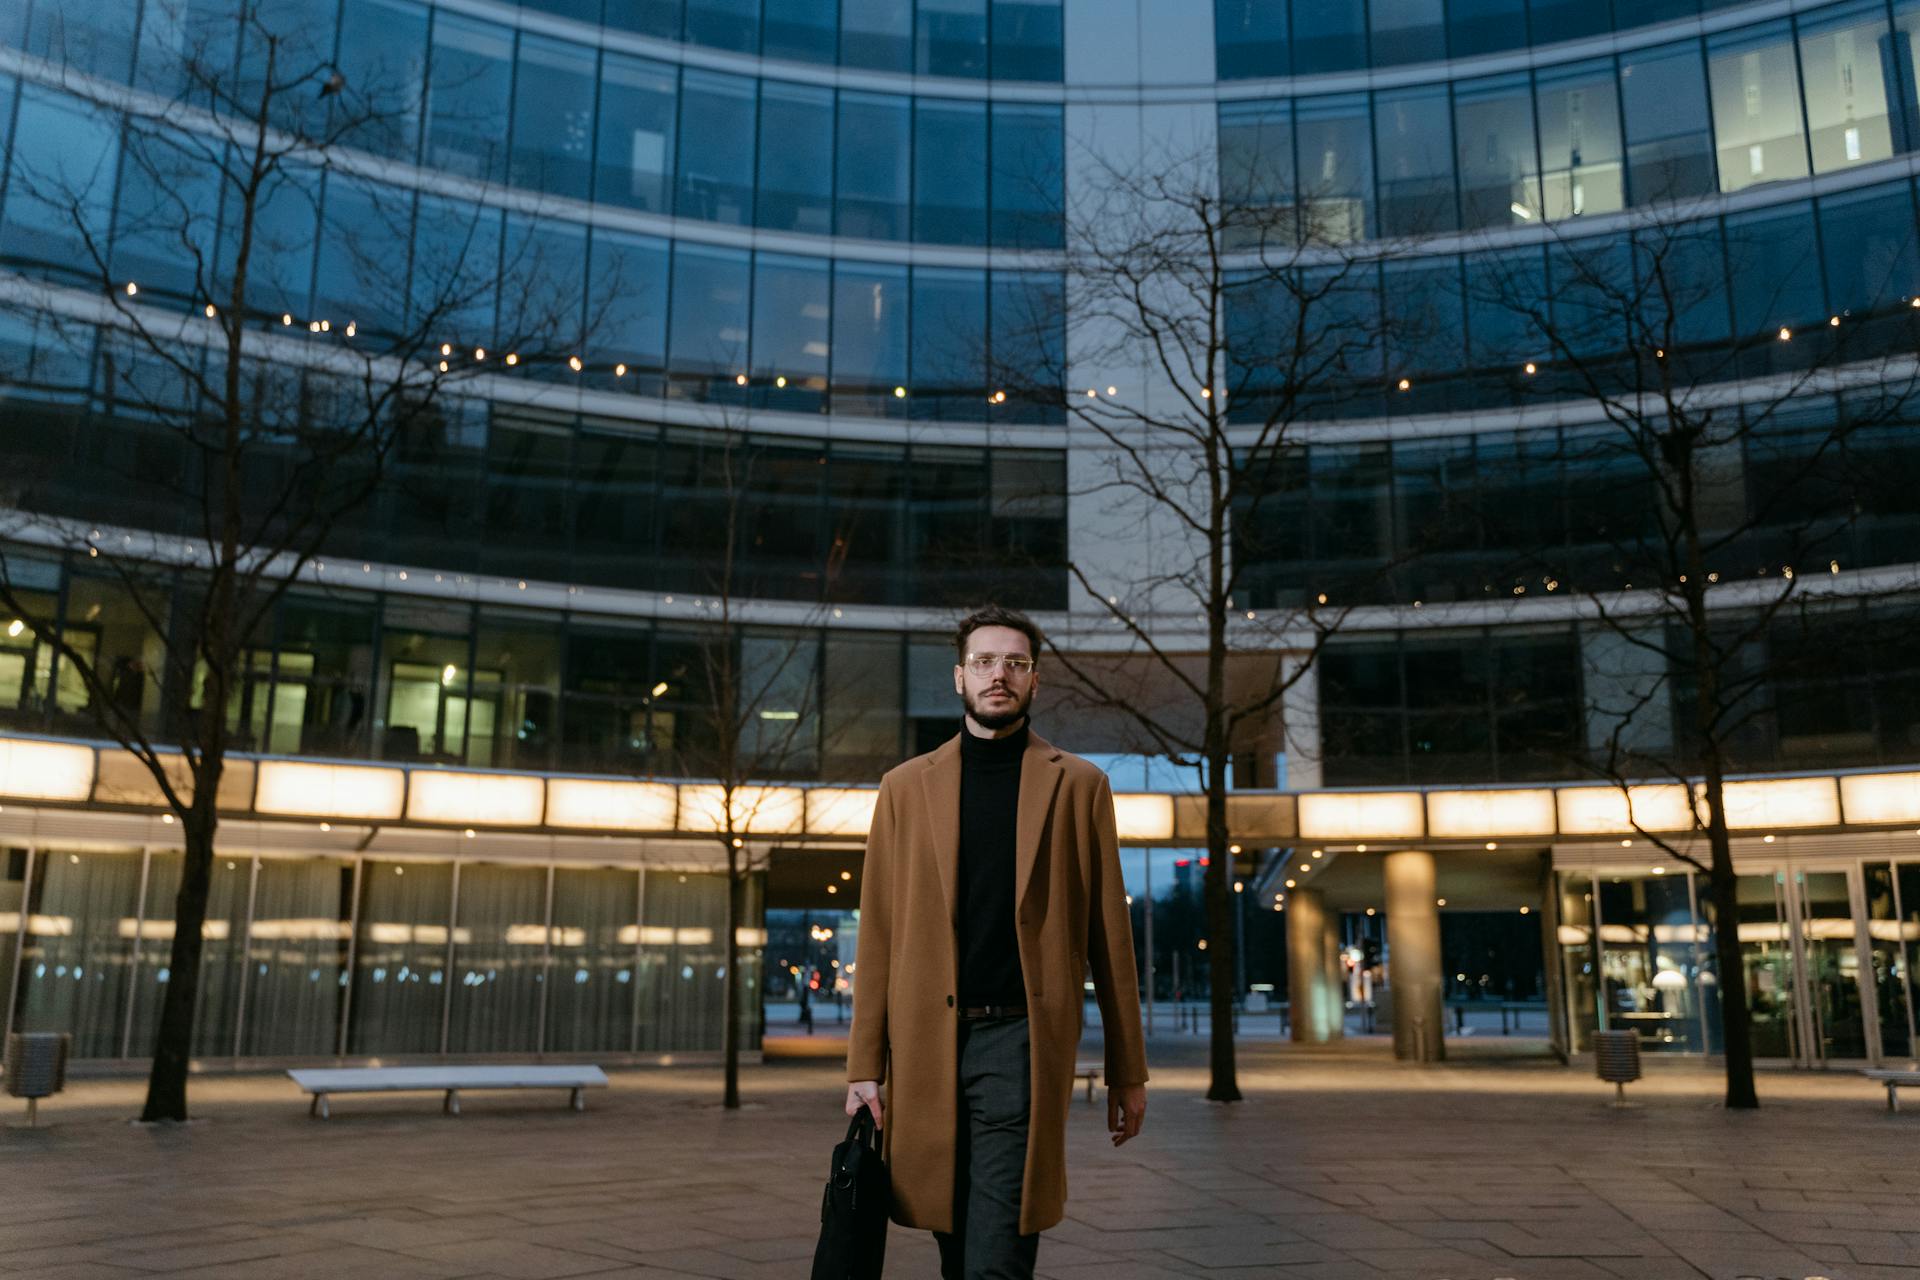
x: 1126, y: 1107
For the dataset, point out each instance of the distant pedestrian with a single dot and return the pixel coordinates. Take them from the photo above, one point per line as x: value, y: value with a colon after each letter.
x: 992, y: 883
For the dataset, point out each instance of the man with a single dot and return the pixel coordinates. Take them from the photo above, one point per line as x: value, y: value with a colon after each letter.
x: 991, y: 883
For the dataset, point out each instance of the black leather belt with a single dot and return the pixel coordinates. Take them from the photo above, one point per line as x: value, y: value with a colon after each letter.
x: 983, y: 1012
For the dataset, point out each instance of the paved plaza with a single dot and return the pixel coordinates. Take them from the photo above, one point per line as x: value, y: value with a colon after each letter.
x: 1340, y: 1164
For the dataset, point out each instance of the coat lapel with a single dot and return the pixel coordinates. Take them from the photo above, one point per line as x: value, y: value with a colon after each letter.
x: 940, y: 788
x: 1040, y: 774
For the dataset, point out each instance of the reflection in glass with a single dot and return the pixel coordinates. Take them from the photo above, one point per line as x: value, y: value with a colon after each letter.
x: 1664, y: 107
x: 1250, y: 38
x: 949, y: 171
x: 950, y: 38
x: 467, y: 96
x: 682, y: 960
x: 634, y: 155
x: 1893, y: 937
x: 1651, y: 960
x: 1578, y: 960
x: 790, y: 332
x: 1485, y: 26
x: 627, y: 312
x: 1027, y: 39
x: 877, y: 34
x: 400, y: 958
x: 76, y: 960
x: 716, y: 147
x: 872, y: 165
x: 1833, y: 966
x: 1756, y: 107
x: 796, y: 158
x: 1028, y: 176
x: 297, y: 956
x: 725, y: 24
x: 1499, y: 175
x: 1580, y: 139
x: 1256, y: 172
x: 869, y: 340
x: 1844, y: 56
x: 1415, y: 144
x: 1336, y: 167
x: 1767, y: 959
x: 1407, y: 31
x: 1328, y: 35
x: 499, y: 959
x: 799, y: 29
x: 709, y: 327
x: 523, y: 648
x: 383, y: 53
x: 949, y: 338
x: 553, y: 117
x: 594, y: 945
x: 426, y: 679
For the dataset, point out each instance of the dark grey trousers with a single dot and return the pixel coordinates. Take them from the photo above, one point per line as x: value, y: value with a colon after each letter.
x: 991, y: 1156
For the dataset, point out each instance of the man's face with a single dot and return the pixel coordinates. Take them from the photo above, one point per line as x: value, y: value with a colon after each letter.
x: 996, y: 695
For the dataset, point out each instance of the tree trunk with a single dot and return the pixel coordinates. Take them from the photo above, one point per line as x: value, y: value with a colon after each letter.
x: 1736, y: 1019
x: 1224, y: 1085
x: 173, y: 1047
x: 730, y: 1003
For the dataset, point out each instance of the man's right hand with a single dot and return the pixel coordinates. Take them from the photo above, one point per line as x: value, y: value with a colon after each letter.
x: 866, y: 1093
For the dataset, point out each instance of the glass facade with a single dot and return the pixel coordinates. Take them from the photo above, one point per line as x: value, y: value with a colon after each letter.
x: 370, y: 957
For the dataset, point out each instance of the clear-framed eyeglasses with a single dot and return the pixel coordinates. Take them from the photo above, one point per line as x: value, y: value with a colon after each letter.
x: 1017, y: 664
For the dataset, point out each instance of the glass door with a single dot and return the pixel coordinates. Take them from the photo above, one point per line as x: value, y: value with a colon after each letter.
x: 1766, y: 962
x: 1828, y: 954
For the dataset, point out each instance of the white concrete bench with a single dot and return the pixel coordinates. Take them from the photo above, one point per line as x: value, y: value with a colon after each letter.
x: 1893, y: 1080
x: 324, y: 1081
x: 1088, y: 1071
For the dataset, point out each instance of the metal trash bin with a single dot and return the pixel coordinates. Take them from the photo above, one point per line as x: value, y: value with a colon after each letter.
x: 37, y: 1067
x: 1616, y: 1059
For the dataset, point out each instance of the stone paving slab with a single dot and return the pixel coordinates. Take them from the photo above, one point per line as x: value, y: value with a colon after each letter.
x: 1338, y: 1165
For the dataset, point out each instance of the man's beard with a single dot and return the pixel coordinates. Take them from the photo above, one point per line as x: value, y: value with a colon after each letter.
x: 1004, y: 719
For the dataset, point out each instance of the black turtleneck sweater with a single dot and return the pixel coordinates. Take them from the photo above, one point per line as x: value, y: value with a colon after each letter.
x: 989, y: 806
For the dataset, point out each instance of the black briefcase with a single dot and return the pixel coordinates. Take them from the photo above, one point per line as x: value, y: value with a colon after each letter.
x: 855, y: 1207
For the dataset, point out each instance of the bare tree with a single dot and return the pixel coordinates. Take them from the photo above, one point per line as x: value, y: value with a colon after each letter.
x: 1728, y: 463
x: 1234, y: 314
x: 275, y: 425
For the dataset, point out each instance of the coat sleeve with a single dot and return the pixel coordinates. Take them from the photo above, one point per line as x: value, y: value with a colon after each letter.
x: 867, y: 1039
x: 1110, y: 950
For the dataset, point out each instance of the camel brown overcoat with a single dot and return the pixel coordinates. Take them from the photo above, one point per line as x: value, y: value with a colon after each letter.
x: 1070, y: 910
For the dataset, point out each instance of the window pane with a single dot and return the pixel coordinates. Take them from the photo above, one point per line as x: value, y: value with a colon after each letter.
x: 949, y: 171
x: 94, y: 40
x: 1250, y: 38
x: 796, y: 159
x: 1870, y: 256
x: 725, y: 24
x: 716, y: 147
x: 1425, y: 328
x: 528, y: 460
x: 951, y: 38
x: 285, y: 226
x: 1416, y: 162
x: 590, y: 1000
x: 1756, y: 107
x: 1028, y: 177
x: 400, y: 958
x: 66, y: 157
x: 383, y: 54
x: 1773, y: 264
x: 800, y: 29
x: 456, y: 268
x: 1336, y: 167
x: 1028, y: 343
x: 553, y: 117
x: 1485, y: 26
x: 168, y: 195
x: 302, y: 912
x: 649, y: 17
x: 1905, y: 52
x: 709, y: 330
x: 472, y: 74
x: 866, y: 488
x: 77, y: 963
x: 325, y: 663
x: 1664, y: 103
x: 1551, y: 21
x: 1026, y: 40
x: 218, y: 1002
x: 682, y: 956
x: 517, y: 677
x: 364, y: 237
x: 869, y: 340
x: 606, y: 713
x: 635, y: 152
x: 1683, y: 283
x: 1846, y: 60
x: 613, y: 492
x: 1329, y: 35
x: 1580, y: 140
x: 1407, y: 31
x: 499, y: 959
x: 949, y: 335
x: 543, y: 293
x: 1499, y: 178
x: 627, y: 312
x: 1256, y: 172
x: 872, y: 166
x: 790, y: 331
x: 877, y: 34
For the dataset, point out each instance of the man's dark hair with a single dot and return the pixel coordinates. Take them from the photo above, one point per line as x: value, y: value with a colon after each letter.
x: 995, y: 615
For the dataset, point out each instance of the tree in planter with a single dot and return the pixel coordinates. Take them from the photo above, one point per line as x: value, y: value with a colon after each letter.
x: 258, y: 423
x: 1211, y: 310
x: 1726, y: 459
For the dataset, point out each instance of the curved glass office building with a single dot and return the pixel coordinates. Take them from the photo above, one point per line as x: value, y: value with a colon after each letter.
x: 816, y: 234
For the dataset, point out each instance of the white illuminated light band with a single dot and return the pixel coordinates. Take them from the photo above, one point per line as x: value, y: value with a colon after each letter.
x: 1362, y: 815
x: 1470, y: 815
x: 476, y: 799
x: 31, y: 770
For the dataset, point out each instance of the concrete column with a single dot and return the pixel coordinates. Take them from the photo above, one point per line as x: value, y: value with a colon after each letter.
x: 1413, y: 957
x: 1313, y: 984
